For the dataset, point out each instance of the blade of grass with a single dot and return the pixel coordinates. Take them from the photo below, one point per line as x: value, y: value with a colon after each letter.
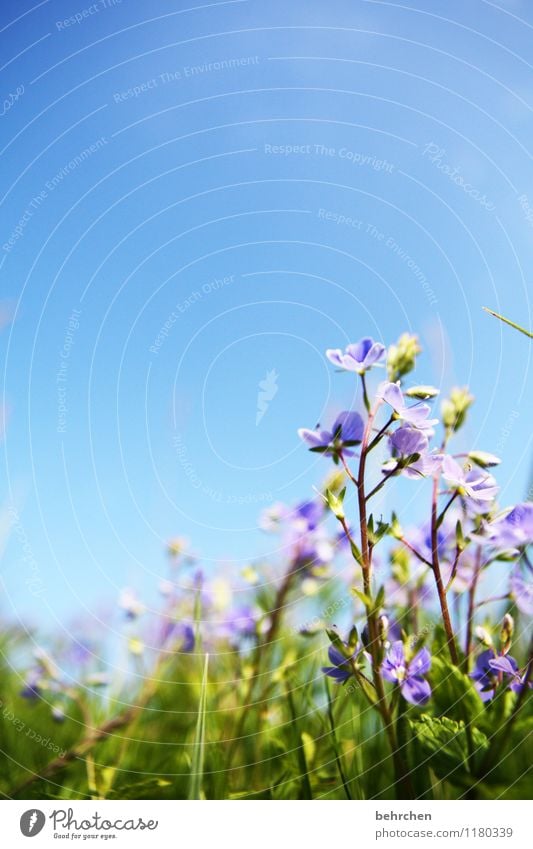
x: 299, y: 747
x: 197, y: 764
x: 197, y: 617
x: 509, y: 322
x: 334, y: 740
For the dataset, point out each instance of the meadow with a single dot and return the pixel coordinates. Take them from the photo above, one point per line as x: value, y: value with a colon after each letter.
x: 250, y: 687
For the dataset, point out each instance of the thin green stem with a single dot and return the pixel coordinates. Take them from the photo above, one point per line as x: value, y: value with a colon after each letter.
x: 382, y: 483
x: 441, y: 516
x: 379, y: 434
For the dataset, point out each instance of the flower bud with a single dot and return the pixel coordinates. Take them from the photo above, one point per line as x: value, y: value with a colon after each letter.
x: 335, y: 503
x: 455, y: 407
x: 483, y: 636
x: 506, y: 634
x: 422, y: 393
x: 484, y: 459
x: 335, y: 481
x: 177, y: 546
x: 402, y: 356
x: 383, y: 628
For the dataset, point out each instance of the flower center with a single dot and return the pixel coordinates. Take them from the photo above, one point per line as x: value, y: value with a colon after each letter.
x: 401, y: 673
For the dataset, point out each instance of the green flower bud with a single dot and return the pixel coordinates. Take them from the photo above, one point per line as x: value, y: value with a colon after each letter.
x: 455, y: 407
x: 422, y: 393
x: 506, y: 634
x: 335, y: 481
x: 484, y: 636
x: 401, y: 357
x: 383, y: 628
x: 484, y: 459
x: 395, y: 527
x: 335, y: 503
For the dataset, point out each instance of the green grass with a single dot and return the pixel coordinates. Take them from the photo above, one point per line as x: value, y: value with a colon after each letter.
x: 301, y: 739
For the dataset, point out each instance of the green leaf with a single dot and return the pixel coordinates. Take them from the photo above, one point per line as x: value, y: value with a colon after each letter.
x: 379, y: 600
x: 367, y: 601
x: 444, y: 742
x: 336, y: 640
x: 309, y: 746
x: 197, y: 765
x: 454, y: 694
x: 395, y: 527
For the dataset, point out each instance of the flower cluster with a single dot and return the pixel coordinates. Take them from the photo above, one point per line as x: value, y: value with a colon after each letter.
x: 448, y: 555
x: 433, y: 597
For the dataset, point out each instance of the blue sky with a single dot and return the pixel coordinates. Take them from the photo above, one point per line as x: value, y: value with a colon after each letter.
x: 195, y: 197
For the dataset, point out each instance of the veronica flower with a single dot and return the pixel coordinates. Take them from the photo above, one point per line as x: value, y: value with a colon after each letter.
x: 308, y: 514
x: 312, y: 550
x: 347, y: 430
x: 483, y: 676
x: 358, y: 357
x: 407, y: 440
x: 416, y: 416
x: 341, y: 669
x: 420, y: 537
x: 240, y: 622
x: 410, y: 453
x: 408, y: 674
x: 178, y: 636
x: 130, y: 604
x: 489, y: 672
x: 507, y: 666
x: 471, y: 484
x: 273, y: 516
x: 515, y: 530
x: 32, y: 687
x: 522, y: 590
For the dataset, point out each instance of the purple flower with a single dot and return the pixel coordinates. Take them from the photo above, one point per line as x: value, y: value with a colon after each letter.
x: 341, y: 669
x: 409, y: 444
x: 483, y: 677
x: 416, y: 416
x: 308, y: 514
x: 273, y: 516
x: 130, y: 604
x: 515, y: 530
x: 426, y: 466
x: 187, y: 638
x: 240, y: 622
x: 407, y: 440
x: 306, y: 535
x: 312, y: 550
x: 32, y: 687
x: 490, y: 670
x: 347, y: 430
x: 408, y: 674
x: 359, y: 357
x: 420, y: 538
x: 522, y: 590
x: 473, y: 484
x: 175, y: 636
x: 507, y: 666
